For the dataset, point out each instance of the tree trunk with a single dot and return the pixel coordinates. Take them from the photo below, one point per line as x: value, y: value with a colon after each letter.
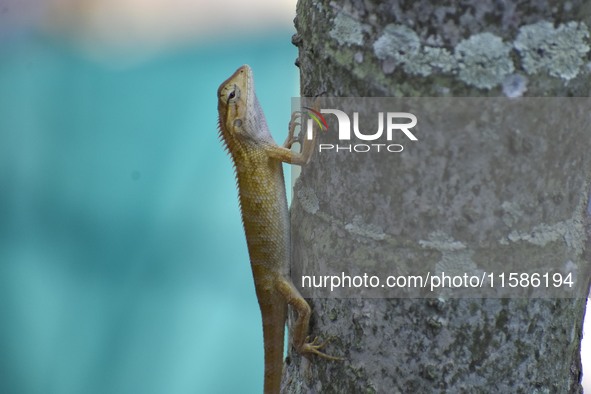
x: 461, y: 49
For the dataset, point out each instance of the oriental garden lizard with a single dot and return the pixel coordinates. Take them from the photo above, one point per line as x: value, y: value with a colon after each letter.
x: 258, y: 165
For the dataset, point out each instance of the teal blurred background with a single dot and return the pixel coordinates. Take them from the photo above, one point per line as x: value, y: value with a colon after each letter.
x: 123, y: 266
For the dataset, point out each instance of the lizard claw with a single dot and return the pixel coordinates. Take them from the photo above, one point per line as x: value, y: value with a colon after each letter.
x: 314, y: 348
x: 294, y: 124
x: 295, y: 115
x: 299, y: 138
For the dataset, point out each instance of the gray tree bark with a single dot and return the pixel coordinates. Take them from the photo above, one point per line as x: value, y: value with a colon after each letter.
x: 453, y: 48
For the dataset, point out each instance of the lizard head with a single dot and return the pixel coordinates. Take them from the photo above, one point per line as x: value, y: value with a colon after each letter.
x: 234, y: 97
x: 241, y: 118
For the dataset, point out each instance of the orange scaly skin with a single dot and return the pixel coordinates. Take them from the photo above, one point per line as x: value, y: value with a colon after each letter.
x: 257, y: 161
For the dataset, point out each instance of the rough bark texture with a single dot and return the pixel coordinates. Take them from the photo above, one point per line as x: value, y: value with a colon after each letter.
x: 425, y: 48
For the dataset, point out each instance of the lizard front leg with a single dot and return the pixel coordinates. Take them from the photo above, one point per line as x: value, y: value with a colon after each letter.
x: 293, y: 123
x: 284, y: 154
x: 299, y: 333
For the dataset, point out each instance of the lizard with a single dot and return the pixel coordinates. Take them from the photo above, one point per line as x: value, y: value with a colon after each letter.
x: 257, y: 161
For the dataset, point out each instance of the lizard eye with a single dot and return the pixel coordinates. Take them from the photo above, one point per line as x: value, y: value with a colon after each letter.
x: 232, y: 94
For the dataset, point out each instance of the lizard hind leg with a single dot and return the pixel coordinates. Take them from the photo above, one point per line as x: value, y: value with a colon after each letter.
x: 299, y: 331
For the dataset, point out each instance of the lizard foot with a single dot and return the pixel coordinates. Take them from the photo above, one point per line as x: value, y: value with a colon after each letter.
x: 314, y: 348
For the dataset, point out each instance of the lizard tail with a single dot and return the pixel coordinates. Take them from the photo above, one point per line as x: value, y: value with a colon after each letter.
x: 274, y: 318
